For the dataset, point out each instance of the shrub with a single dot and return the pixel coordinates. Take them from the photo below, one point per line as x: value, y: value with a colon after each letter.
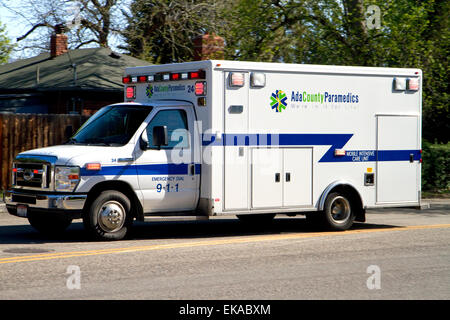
x: 435, y: 167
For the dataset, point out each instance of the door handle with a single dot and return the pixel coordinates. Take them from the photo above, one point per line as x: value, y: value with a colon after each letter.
x: 277, y: 177
x: 192, y: 169
x: 288, y: 176
x: 411, y: 157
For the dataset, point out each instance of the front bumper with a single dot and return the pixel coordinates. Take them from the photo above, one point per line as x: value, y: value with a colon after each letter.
x: 63, y: 203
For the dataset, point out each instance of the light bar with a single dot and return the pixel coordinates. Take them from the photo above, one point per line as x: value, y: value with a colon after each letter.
x: 174, y: 76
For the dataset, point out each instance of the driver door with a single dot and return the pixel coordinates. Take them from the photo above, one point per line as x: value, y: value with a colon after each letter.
x: 168, y: 177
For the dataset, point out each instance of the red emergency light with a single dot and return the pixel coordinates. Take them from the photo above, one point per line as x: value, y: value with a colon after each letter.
x: 131, y: 92
x: 200, y: 88
x: 126, y: 79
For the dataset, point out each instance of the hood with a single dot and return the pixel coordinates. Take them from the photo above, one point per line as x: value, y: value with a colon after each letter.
x: 77, y: 155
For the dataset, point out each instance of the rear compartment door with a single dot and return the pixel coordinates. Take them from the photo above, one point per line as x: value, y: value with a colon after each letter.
x: 398, y: 159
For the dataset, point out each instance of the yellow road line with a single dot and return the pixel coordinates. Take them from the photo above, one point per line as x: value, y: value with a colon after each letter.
x: 247, y: 239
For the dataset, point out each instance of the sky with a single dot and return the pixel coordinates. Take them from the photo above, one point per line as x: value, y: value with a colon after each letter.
x: 7, y: 19
x: 15, y: 28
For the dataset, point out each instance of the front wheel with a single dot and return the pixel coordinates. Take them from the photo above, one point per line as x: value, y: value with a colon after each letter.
x: 108, y: 217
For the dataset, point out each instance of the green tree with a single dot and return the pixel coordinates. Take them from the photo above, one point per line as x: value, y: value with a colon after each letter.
x: 411, y: 34
x: 161, y: 31
x: 5, y: 45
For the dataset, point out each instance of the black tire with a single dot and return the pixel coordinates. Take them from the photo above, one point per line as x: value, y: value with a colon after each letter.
x: 48, y: 224
x: 256, y: 219
x: 338, y: 213
x: 109, y: 216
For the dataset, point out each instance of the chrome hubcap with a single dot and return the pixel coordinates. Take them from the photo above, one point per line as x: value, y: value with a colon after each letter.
x: 340, y: 209
x: 111, y: 216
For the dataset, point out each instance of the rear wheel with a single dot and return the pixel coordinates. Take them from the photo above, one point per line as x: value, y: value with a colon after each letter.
x: 338, y: 213
x: 108, y: 217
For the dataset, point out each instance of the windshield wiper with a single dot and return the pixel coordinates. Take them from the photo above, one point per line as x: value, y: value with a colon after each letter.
x: 72, y: 141
x: 96, y: 142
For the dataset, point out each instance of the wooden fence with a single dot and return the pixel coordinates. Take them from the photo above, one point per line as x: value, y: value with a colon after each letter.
x: 20, y: 132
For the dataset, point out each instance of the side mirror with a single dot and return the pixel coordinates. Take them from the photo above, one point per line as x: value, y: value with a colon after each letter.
x: 160, y: 137
x: 143, y: 140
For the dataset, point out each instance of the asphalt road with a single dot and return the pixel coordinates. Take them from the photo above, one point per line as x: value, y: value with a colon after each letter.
x: 396, y: 254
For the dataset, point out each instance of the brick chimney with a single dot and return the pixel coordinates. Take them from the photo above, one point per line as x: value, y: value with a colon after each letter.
x: 58, y: 41
x: 208, y: 46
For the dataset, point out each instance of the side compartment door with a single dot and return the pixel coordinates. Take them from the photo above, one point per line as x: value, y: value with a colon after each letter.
x: 168, y: 178
x: 236, y: 152
x: 267, y: 178
x: 398, y: 175
x: 297, y: 177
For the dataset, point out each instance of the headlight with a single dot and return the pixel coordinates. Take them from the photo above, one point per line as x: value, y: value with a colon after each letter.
x: 66, y: 178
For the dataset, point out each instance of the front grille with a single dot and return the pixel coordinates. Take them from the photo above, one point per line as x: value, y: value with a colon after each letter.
x: 31, y: 175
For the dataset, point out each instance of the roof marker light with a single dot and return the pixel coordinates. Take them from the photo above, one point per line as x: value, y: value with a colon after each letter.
x: 142, y: 79
x: 166, y: 77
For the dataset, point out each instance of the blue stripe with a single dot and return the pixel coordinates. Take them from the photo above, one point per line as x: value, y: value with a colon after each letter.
x: 335, y: 141
x: 145, y: 169
x: 374, y: 155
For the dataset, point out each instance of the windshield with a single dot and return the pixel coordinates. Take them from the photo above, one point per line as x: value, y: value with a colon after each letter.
x: 111, y: 125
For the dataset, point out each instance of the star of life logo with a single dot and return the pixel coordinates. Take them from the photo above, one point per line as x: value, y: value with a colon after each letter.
x: 149, y: 91
x: 278, y: 100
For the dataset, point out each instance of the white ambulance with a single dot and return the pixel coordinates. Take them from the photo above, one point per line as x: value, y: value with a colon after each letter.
x: 214, y: 138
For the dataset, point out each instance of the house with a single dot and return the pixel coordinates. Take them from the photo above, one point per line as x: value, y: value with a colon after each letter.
x: 64, y: 81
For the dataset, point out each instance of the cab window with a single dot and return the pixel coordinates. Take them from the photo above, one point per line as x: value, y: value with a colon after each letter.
x: 177, y: 128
